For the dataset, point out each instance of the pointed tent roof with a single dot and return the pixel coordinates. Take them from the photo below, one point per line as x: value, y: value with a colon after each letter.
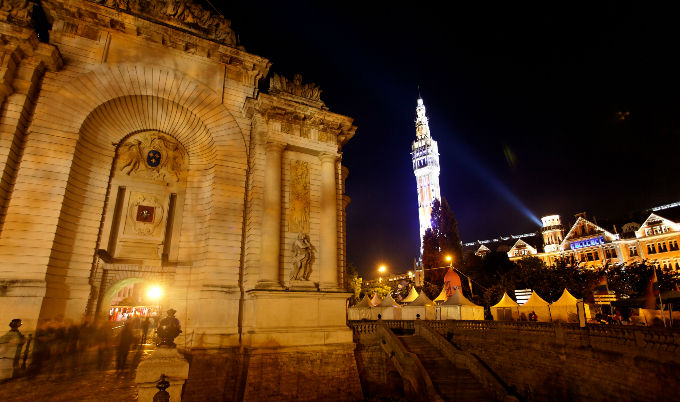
x: 442, y: 295
x: 365, y: 302
x: 535, y: 300
x: 506, y: 301
x: 388, y: 301
x: 421, y: 300
x: 412, y: 295
x: 458, y: 299
x: 376, y: 300
x: 567, y: 299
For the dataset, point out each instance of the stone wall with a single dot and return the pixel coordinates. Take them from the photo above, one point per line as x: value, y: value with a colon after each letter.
x: 379, y: 377
x: 550, y: 362
x: 300, y: 374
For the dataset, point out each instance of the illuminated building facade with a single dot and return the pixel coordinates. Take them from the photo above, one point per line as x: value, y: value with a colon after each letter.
x: 588, y: 244
x: 425, y: 156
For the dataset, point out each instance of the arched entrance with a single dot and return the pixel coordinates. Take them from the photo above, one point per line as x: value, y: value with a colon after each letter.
x: 129, y: 293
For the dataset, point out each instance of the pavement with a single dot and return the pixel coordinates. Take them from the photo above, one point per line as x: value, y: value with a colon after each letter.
x: 71, y: 380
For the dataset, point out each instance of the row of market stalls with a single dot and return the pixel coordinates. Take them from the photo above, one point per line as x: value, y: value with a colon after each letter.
x: 458, y: 307
x: 565, y: 309
x: 417, y: 306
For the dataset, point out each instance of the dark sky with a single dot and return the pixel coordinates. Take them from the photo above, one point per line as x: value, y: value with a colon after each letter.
x: 545, y: 82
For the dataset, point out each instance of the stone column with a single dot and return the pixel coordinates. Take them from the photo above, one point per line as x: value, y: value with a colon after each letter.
x: 271, y: 217
x: 328, y: 247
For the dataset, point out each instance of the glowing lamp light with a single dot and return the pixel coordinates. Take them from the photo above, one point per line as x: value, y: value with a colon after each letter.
x: 410, y: 274
x: 155, y: 292
x: 448, y: 258
x: 382, y: 269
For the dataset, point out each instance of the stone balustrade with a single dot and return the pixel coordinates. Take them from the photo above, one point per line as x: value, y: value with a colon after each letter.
x: 417, y: 382
x: 464, y: 360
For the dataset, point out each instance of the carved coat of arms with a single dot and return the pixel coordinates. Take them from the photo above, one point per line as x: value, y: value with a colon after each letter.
x: 152, y: 155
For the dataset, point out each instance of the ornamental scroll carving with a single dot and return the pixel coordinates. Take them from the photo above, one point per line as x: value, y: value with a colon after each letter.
x: 145, y: 214
x: 299, y: 197
x: 184, y: 13
x: 309, y: 91
x: 152, y: 155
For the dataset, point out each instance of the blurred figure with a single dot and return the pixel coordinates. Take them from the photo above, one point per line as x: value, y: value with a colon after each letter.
x: 10, y: 350
x: 145, y: 328
x: 104, y: 352
x: 126, y: 340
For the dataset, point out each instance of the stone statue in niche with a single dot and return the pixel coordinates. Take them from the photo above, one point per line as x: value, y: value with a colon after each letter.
x: 299, y: 197
x: 302, y: 260
x: 153, y: 156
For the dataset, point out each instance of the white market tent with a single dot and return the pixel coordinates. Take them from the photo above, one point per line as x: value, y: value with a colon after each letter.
x: 388, y: 309
x: 565, y: 310
x: 412, y: 295
x: 421, y: 308
x: 360, y: 311
x: 375, y: 300
x: 538, y: 306
x: 505, y: 310
x: 458, y: 307
x: 442, y: 296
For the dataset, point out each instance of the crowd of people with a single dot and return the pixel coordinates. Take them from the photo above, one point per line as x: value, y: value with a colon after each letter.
x: 61, y: 349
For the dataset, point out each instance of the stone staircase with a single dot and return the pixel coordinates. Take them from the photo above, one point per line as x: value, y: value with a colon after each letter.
x: 452, y: 383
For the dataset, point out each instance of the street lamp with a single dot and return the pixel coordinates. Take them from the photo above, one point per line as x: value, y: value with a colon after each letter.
x: 155, y: 293
x: 381, y: 271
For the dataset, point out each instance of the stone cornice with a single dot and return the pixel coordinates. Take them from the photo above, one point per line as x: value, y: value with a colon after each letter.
x: 87, y: 19
x: 298, y: 119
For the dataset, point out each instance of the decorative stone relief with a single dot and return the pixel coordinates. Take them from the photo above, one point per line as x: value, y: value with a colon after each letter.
x: 302, y: 260
x: 17, y: 11
x: 309, y: 91
x: 144, y: 215
x: 298, y: 216
x: 152, y: 155
x: 183, y: 13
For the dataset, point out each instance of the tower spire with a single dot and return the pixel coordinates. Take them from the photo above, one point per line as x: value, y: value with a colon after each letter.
x: 425, y: 157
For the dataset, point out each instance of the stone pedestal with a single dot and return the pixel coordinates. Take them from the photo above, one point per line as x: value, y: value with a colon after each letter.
x: 302, y: 285
x: 166, y: 361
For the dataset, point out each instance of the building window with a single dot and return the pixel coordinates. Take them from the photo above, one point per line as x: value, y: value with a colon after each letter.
x: 633, y: 251
x: 596, y: 255
x: 662, y: 247
x: 610, y: 253
x: 651, y: 249
x: 589, y: 256
x: 673, y: 245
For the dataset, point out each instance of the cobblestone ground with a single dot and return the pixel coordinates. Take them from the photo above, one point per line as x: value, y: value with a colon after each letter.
x: 70, y: 381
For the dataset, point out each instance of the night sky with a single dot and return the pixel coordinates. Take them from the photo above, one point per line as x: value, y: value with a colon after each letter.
x: 525, y: 100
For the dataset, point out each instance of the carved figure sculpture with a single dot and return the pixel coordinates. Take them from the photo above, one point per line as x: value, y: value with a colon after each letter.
x: 309, y: 91
x: 132, y: 152
x: 302, y: 267
x: 183, y: 12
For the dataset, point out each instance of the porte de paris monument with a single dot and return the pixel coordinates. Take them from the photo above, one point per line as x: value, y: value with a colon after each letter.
x: 136, y: 147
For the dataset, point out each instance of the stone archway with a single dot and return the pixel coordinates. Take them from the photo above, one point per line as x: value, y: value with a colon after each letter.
x: 114, y: 277
x: 75, y: 127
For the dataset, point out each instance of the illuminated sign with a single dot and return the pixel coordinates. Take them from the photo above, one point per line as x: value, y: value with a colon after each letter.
x: 595, y: 241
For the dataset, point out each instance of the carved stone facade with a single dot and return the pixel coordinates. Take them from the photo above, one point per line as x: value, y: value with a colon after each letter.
x: 299, y: 197
x: 140, y: 150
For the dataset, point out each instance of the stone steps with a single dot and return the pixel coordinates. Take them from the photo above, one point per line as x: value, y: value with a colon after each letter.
x: 452, y: 383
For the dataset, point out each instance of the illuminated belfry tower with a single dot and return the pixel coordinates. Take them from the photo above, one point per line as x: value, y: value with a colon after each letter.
x: 553, y: 233
x: 425, y: 157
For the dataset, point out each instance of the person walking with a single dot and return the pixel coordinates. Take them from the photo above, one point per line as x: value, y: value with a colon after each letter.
x: 145, y: 329
x: 126, y: 339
